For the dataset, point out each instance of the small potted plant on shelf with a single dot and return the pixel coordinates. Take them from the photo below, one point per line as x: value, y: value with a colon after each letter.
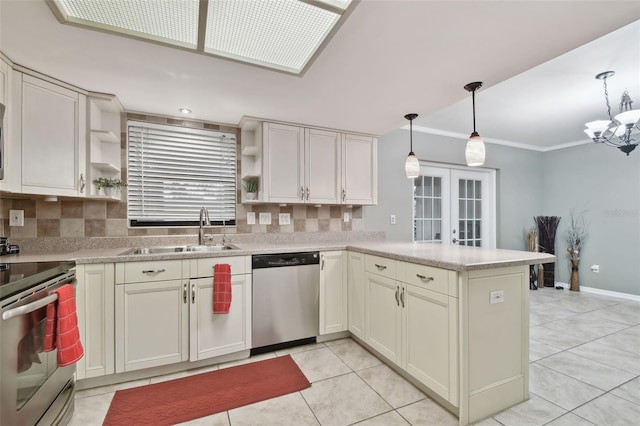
x: 110, y: 185
x: 251, y: 187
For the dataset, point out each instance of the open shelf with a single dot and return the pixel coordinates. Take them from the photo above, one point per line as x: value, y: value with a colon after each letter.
x: 250, y: 151
x: 106, y: 167
x: 105, y: 136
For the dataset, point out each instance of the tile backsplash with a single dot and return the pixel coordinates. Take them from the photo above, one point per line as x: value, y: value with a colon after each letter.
x: 84, y: 218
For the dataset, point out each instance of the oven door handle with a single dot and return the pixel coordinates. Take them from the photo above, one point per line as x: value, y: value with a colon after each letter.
x: 30, y: 307
x: 33, y: 306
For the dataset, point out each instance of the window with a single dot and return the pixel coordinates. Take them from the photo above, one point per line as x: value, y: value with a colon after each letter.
x: 174, y: 171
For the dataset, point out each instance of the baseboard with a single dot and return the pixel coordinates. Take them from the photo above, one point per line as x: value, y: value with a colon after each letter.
x: 610, y: 293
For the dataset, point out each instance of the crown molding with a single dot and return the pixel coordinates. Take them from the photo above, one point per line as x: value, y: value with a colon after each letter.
x: 494, y: 141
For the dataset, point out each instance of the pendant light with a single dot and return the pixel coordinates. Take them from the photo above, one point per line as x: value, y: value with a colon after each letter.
x: 411, y: 166
x: 475, y: 152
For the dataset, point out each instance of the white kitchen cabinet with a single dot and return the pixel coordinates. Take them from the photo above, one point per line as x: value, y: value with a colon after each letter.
x: 322, y: 166
x: 356, y: 294
x: 53, y: 124
x: 219, y: 334
x: 333, y: 292
x: 384, y: 327
x: 283, y: 163
x: 359, y: 169
x: 164, y: 312
x: 12, y: 155
x: 95, y: 307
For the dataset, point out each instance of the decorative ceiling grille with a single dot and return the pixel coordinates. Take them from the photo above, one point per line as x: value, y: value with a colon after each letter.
x: 278, y: 34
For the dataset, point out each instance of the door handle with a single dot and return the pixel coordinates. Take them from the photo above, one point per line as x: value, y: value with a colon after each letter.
x: 344, y: 194
x: 397, y: 299
x: 381, y: 267
x: 307, y: 193
x: 322, y: 263
x: 454, y: 240
x: 193, y: 293
x: 301, y: 193
x: 184, y: 294
x: 402, y: 297
x: 424, y: 278
x: 82, y: 183
x: 152, y: 271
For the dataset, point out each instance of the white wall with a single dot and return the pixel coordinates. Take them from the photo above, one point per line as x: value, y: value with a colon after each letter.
x: 519, y: 184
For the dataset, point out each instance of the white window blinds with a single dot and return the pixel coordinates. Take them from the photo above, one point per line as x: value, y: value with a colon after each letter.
x: 174, y: 171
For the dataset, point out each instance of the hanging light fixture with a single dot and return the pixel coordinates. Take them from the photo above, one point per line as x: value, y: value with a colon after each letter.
x: 616, y: 131
x: 475, y: 152
x: 411, y: 166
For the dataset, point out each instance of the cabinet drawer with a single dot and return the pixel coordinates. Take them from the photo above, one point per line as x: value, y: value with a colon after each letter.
x: 204, y: 267
x: 380, y: 266
x: 153, y: 270
x: 428, y: 277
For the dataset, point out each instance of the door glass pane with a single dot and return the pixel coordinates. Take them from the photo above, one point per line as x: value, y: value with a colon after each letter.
x: 437, y: 187
x: 417, y: 189
x: 462, y: 209
x: 419, y: 208
x: 417, y: 230
x: 428, y: 208
x: 437, y: 208
x: 478, y: 189
x: 478, y: 228
x: 427, y: 230
x: 461, y: 226
x: 470, y: 209
x: 437, y: 230
x: 469, y: 189
x: 469, y: 229
x: 478, y: 209
x: 462, y: 186
x: 428, y: 186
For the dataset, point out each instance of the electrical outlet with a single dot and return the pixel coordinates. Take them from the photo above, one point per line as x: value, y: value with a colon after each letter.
x: 595, y: 269
x: 16, y: 217
x: 284, y: 219
x: 346, y: 216
x: 251, y: 218
x: 393, y: 219
x: 265, y: 218
x: 496, y: 296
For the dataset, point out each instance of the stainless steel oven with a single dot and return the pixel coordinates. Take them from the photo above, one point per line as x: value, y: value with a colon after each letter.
x: 34, y: 390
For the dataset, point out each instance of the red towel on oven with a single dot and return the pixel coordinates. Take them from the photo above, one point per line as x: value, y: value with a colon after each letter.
x: 61, y: 329
x: 221, y: 288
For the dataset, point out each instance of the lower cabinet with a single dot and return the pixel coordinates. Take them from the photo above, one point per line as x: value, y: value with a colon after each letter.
x: 355, y: 294
x: 333, y: 292
x: 171, y: 320
x: 414, y: 326
x: 95, y: 307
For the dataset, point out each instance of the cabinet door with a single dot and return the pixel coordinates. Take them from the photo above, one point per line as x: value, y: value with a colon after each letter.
x: 94, y: 297
x: 384, y: 316
x: 426, y: 337
x: 219, y: 334
x: 356, y: 294
x: 283, y: 163
x: 53, y: 118
x: 322, y: 167
x: 151, y: 324
x: 333, y: 292
x: 359, y: 169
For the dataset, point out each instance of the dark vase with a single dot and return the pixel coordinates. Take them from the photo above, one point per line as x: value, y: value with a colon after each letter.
x: 532, y: 278
x: 547, y: 227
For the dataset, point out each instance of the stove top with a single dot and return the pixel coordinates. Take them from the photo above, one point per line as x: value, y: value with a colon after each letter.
x: 16, y: 277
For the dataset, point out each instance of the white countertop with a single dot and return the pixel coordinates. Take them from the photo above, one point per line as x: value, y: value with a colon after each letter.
x: 453, y: 257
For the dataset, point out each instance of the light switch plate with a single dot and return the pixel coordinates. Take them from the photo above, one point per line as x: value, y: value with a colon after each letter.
x: 251, y: 218
x: 284, y: 219
x: 265, y: 218
x: 346, y: 216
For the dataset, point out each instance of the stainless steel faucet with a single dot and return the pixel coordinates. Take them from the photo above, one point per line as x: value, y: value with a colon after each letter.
x: 225, y: 239
x: 204, y: 221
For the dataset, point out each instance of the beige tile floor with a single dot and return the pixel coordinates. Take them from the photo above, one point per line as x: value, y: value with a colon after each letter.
x: 584, y: 370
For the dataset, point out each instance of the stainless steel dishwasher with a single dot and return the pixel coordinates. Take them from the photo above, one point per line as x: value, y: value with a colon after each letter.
x: 286, y: 292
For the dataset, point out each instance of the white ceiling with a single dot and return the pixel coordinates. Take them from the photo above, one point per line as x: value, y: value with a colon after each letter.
x: 389, y: 58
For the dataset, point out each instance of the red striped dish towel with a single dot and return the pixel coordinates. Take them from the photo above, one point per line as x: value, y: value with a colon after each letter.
x: 221, y: 288
x: 61, y: 328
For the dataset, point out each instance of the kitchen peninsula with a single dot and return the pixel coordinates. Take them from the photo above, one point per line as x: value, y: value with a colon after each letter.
x: 454, y: 320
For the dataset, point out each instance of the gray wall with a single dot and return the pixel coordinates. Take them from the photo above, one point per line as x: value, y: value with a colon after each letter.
x: 519, y: 183
x: 606, y: 183
x: 597, y: 178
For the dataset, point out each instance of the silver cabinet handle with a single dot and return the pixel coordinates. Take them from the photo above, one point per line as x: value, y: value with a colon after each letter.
x: 423, y: 278
x: 344, y: 194
x: 322, y: 263
x: 402, y: 297
x: 153, y: 271
x: 193, y: 293
x: 302, y: 193
x: 381, y: 267
x: 397, y: 299
x: 184, y: 294
x: 82, y: 183
x: 307, y: 193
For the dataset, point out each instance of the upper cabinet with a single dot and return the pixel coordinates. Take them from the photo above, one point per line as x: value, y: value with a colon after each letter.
x: 297, y: 164
x: 52, y: 124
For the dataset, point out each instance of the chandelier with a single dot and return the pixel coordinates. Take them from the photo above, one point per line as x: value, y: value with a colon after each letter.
x: 617, y: 130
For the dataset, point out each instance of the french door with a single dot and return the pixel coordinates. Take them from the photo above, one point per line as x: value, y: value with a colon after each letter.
x: 454, y: 206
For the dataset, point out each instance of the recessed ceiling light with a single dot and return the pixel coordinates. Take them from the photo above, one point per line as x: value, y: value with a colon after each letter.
x: 184, y: 110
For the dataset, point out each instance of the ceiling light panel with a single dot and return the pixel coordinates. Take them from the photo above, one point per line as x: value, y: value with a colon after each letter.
x: 281, y: 34
x: 171, y: 21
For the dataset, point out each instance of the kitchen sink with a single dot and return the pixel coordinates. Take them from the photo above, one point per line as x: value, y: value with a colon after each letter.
x: 177, y: 249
